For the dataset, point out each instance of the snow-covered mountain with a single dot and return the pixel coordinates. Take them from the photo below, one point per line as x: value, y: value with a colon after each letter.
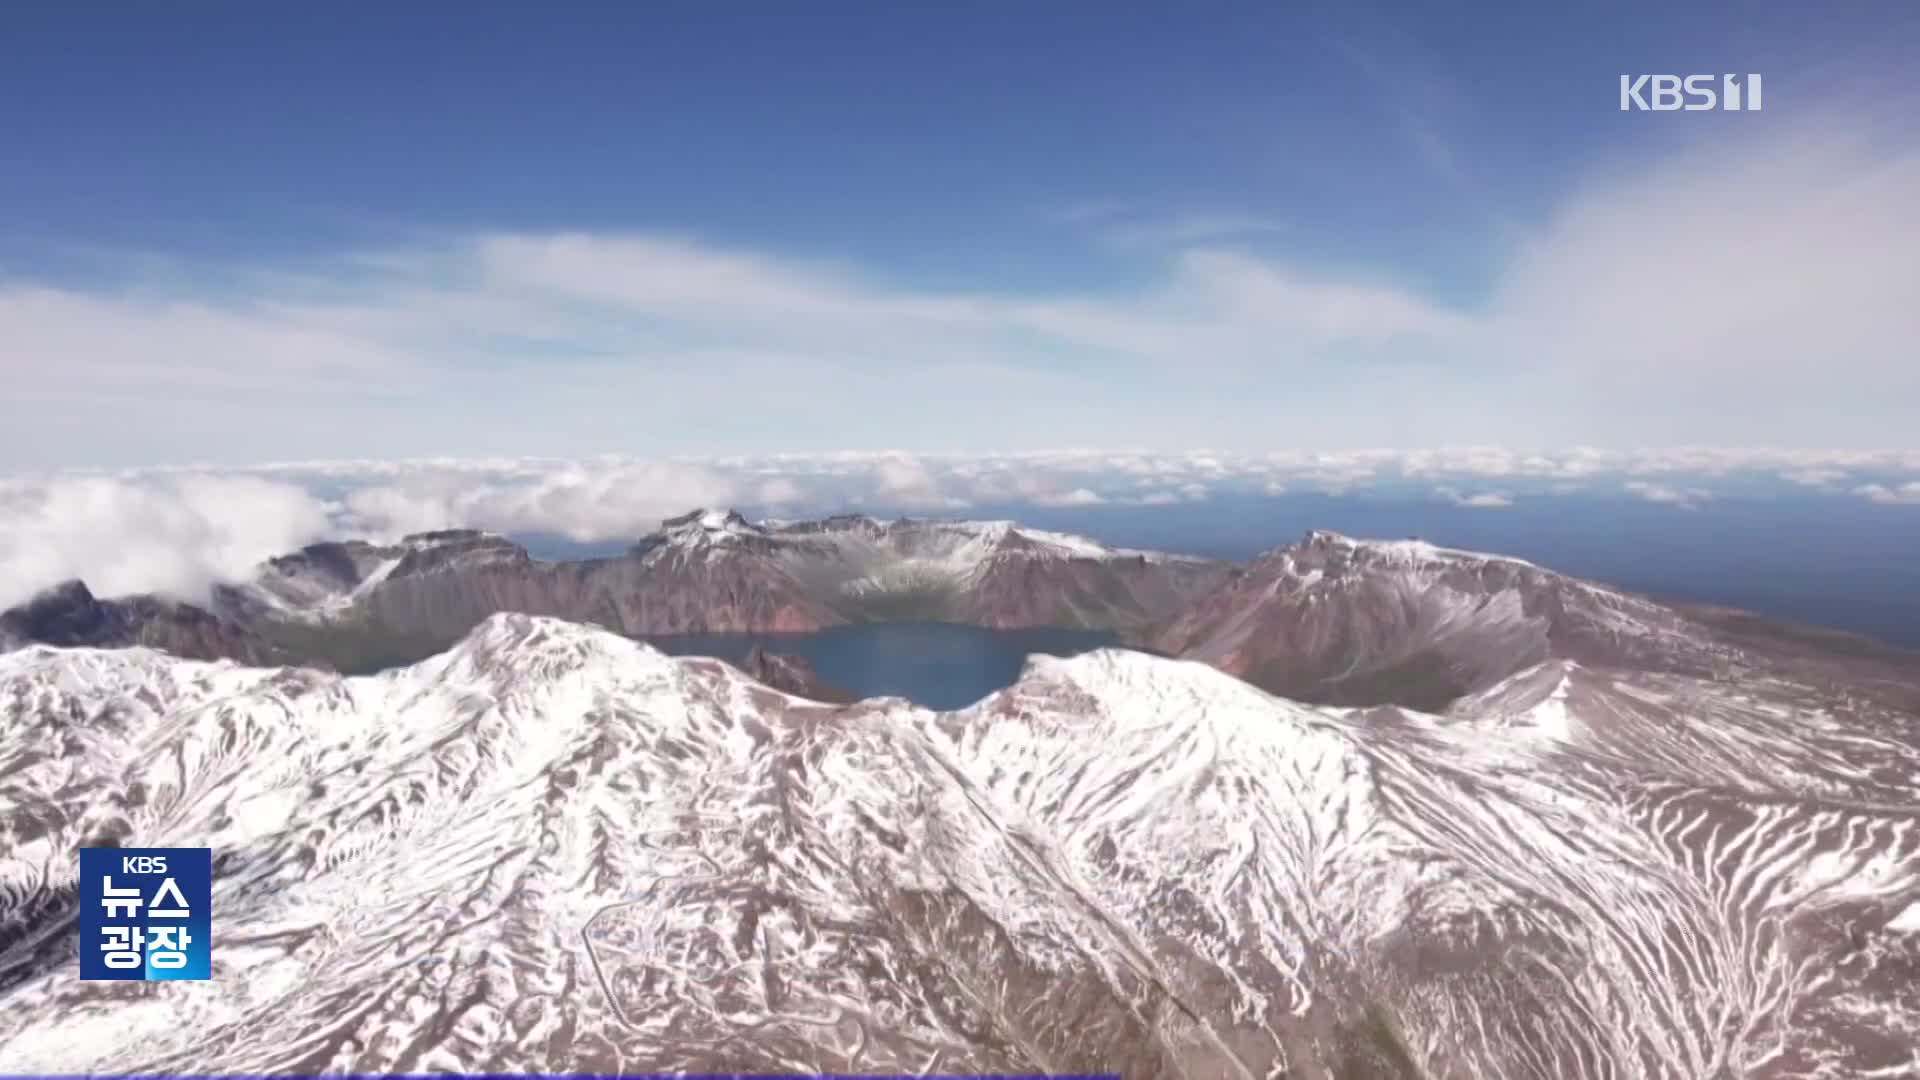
x: 553, y: 849
x: 710, y: 571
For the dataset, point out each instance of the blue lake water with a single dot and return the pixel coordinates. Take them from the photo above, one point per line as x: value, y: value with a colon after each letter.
x: 939, y: 665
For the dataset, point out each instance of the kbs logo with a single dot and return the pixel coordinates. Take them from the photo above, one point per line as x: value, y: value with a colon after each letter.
x: 143, y: 913
x: 1693, y: 93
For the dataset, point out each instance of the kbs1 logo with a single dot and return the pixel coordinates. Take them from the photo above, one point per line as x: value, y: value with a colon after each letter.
x: 1692, y: 93
x: 144, y: 913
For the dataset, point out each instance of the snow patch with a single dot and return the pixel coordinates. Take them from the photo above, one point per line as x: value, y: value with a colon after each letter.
x: 1908, y: 921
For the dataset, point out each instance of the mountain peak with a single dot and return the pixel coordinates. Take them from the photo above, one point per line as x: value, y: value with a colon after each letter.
x: 713, y: 524
x: 1408, y: 551
x: 446, y: 536
x: 69, y: 615
x: 63, y: 614
x: 1349, y: 622
x: 704, y: 532
x: 1012, y: 537
x: 67, y: 594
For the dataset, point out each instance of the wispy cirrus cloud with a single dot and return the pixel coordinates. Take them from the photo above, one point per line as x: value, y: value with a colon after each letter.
x: 1190, y: 228
x: 1424, y: 104
x: 1740, y: 289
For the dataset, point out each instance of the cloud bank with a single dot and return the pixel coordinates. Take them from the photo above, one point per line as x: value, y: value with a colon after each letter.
x: 171, y: 534
x: 177, y: 530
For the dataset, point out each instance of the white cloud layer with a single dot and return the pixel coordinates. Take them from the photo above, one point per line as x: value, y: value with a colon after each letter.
x: 1685, y: 498
x: 1907, y: 493
x: 1750, y: 291
x: 177, y: 530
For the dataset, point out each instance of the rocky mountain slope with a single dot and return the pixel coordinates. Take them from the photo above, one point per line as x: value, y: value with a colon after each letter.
x: 707, y: 572
x: 70, y: 615
x: 1360, y: 622
x: 791, y: 674
x: 553, y: 849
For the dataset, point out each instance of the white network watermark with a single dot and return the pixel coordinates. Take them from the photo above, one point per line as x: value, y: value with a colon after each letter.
x: 1692, y: 93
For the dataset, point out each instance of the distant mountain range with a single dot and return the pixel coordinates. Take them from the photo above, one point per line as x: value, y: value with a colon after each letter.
x: 357, y: 606
x: 1329, y: 620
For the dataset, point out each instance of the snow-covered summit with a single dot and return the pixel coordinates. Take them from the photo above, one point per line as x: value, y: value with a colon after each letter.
x: 716, y: 526
x: 703, y: 534
x: 1005, y: 535
x: 1407, y: 552
x: 995, y: 534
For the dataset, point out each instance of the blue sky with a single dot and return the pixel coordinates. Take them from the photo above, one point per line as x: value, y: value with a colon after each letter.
x: 237, y: 233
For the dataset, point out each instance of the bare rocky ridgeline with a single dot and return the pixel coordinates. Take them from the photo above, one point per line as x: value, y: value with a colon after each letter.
x: 359, y: 606
x: 69, y: 615
x: 1338, y: 621
x: 709, y: 572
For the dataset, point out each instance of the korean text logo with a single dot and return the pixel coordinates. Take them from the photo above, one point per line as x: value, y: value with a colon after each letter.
x: 144, y: 913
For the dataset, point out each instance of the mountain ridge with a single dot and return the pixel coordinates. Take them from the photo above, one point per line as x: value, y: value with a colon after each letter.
x: 552, y: 848
x: 356, y: 604
x: 68, y: 614
x: 1341, y: 621
x: 1330, y: 618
